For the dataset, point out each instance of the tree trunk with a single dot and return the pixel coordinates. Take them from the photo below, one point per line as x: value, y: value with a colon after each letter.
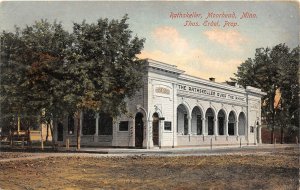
x: 281, y: 135
x: 47, y: 133
x: 78, y: 133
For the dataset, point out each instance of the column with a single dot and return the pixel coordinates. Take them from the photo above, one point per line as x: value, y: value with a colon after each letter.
x: 236, y: 127
x: 189, y: 125
x: 215, y: 127
x: 259, y: 134
x: 115, y: 131
x: 145, y: 143
x: 150, y: 130
x: 97, y: 124
x: 97, y: 128
x: 204, y: 132
x: 132, y: 132
x: 255, y: 135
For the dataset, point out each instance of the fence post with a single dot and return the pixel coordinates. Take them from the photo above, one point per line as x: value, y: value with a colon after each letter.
x: 211, y: 144
x: 296, y: 140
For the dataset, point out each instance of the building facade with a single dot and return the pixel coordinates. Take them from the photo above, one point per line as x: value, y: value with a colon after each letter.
x: 174, y: 110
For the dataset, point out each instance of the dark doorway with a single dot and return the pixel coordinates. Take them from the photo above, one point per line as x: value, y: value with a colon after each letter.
x: 139, y: 130
x: 221, y: 125
x: 210, y: 125
x: 60, y: 132
x: 186, y: 124
x: 230, y: 128
x: 155, y: 127
x: 199, y: 125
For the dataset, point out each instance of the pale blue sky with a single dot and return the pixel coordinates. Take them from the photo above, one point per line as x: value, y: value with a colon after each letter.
x: 201, y: 51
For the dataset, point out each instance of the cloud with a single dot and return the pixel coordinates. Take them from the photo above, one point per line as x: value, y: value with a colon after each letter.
x: 174, y: 49
x: 229, y: 38
x: 169, y: 36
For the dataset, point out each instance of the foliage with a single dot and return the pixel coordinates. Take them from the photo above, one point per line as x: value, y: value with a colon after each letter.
x: 104, y: 56
x: 47, y: 72
x: 274, y: 70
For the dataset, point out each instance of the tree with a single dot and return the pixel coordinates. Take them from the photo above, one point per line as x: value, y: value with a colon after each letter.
x: 289, y: 89
x: 31, y: 71
x: 49, y: 73
x: 103, y: 58
x: 273, y: 70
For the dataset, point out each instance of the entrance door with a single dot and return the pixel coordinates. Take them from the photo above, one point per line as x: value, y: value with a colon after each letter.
x: 60, y: 132
x: 155, y: 128
x: 139, y: 130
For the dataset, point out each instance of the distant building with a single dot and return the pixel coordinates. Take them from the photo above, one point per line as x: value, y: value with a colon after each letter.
x: 174, y: 110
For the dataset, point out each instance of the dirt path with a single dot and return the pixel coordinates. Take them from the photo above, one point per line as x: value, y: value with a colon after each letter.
x: 273, y: 170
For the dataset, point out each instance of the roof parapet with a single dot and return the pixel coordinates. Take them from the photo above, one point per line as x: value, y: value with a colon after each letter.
x: 255, y: 90
x: 164, y: 66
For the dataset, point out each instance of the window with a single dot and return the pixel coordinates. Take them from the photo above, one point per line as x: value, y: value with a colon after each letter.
x: 251, y: 129
x: 89, y: 123
x: 168, y: 126
x: 123, y: 126
x: 70, y: 125
x: 105, y: 124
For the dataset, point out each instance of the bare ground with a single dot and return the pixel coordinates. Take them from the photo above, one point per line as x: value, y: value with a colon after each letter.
x: 273, y: 170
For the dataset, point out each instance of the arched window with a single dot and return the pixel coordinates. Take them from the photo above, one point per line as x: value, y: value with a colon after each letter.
x: 242, y: 124
x: 196, y: 121
x: 221, y: 122
x: 209, y: 115
x: 231, y: 123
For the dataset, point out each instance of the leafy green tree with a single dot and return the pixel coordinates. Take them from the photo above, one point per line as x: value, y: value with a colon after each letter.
x: 31, y: 71
x: 273, y: 70
x: 288, y: 111
x: 103, y: 58
x: 49, y: 73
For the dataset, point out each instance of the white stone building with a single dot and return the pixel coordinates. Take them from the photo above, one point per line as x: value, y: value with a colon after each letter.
x: 174, y: 110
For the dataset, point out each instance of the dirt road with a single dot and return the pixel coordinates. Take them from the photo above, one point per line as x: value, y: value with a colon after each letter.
x: 271, y: 170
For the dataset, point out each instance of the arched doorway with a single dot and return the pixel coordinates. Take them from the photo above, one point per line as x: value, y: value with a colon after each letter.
x: 242, y: 124
x: 221, y: 122
x: 196, y: 121
x: 182, y: 120
x: 60, y: 131
x: 231, y: 123
x: 139, y: 130
x: 155, y: 129
x: 209, y: 115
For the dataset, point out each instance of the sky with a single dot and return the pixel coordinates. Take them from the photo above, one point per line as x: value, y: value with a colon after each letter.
x: 205, y: 45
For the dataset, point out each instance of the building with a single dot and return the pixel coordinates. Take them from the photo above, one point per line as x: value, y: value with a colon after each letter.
x: 174, y: 110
